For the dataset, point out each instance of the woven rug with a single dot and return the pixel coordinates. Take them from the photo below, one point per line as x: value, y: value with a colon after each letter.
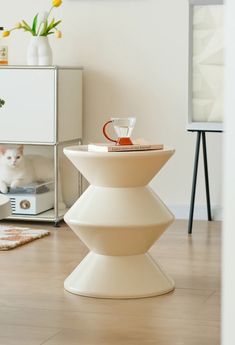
x: 13, y: 236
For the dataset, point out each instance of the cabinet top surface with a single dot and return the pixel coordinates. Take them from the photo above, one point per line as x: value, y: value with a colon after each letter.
x: 53, y: 67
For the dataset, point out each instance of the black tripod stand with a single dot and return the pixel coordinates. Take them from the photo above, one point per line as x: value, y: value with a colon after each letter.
x: 200, y: 134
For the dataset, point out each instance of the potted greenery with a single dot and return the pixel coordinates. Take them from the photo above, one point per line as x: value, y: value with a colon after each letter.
x: 39, y: 51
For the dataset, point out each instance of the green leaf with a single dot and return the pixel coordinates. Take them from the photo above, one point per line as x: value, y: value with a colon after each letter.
x: 26, y: 26
x: 44, y: 29
x: 25, y: 29
x: 57, y: 23
x: 34, y: 25
x: 52, y: 25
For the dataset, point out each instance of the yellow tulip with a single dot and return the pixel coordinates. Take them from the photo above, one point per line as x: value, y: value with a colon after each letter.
x: 58, y: 34
x: 56, y: 3
x: 6, y: 33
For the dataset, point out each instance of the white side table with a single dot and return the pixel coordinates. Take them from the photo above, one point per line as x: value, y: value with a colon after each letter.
x: 119, y: 218
x: 5, y: 206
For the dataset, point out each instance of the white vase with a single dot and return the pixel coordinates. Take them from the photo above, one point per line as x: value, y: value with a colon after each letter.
x: 39, y: 51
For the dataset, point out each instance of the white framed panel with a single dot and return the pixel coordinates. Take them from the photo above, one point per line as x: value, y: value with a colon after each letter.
x: 29, y: 111
x: 206, y: 65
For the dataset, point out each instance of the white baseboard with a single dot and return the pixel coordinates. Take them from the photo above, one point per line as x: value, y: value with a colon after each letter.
x: 200, y: 212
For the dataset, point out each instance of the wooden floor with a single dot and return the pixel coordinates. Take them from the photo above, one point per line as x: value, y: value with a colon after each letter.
x: 34, y: 308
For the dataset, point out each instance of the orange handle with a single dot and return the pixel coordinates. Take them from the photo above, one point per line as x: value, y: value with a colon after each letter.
x: 105, y: 134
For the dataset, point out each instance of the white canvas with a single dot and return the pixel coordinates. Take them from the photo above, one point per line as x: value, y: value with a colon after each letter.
x: 207, y: 63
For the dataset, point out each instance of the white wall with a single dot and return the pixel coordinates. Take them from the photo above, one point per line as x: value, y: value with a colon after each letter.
x: 135, y: 57
x: 228, y: 254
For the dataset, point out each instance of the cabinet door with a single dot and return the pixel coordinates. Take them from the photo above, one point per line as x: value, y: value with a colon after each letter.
x: 29, y: 111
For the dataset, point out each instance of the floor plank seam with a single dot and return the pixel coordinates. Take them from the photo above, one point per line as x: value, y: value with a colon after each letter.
x: 51, y: 337
x: 208, y: 297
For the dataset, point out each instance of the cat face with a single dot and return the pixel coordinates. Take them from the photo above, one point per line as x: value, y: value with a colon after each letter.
x: 12, y: 157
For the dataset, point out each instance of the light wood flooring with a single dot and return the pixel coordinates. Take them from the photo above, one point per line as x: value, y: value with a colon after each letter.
x: 35, y: 310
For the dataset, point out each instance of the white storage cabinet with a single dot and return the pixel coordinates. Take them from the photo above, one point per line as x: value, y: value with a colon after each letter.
x: 43, y: 106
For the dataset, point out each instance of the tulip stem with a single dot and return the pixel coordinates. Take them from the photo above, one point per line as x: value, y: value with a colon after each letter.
x: 50, y: 12
x: 37, y: 34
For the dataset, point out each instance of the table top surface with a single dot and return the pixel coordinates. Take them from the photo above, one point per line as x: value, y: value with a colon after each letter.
x: 82, y: 150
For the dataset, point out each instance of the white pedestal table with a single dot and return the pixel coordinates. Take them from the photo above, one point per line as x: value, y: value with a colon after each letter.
x: 119, y: 218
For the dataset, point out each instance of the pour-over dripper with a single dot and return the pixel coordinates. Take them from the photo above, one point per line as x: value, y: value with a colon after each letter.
x: 123, y: 127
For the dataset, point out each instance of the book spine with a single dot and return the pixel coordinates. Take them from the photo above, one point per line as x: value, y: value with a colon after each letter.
x: 134, y: 148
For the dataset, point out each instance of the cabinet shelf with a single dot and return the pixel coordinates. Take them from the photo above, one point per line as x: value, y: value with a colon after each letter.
x: 43, y: 107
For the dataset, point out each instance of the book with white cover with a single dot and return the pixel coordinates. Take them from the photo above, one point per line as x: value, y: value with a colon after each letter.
x: 99, y: 147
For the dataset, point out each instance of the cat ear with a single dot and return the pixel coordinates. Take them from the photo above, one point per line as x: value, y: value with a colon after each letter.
x: 2, y: 150
x: 21, y: 149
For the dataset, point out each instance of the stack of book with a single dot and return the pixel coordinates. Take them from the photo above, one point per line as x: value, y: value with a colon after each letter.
x: 122, y: 148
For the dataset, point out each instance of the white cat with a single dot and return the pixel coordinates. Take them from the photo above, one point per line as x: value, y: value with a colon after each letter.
x: 17, y: 169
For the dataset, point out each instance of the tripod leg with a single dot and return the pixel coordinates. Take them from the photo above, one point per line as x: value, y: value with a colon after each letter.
x: 206, y: 176
x: 190, y: 223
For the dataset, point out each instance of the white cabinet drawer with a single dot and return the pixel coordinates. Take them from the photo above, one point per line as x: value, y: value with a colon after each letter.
x: 29, y: 111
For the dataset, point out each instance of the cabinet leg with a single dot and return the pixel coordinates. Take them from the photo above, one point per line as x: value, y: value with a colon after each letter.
x: 56, y: 174
x: 57, y: 224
